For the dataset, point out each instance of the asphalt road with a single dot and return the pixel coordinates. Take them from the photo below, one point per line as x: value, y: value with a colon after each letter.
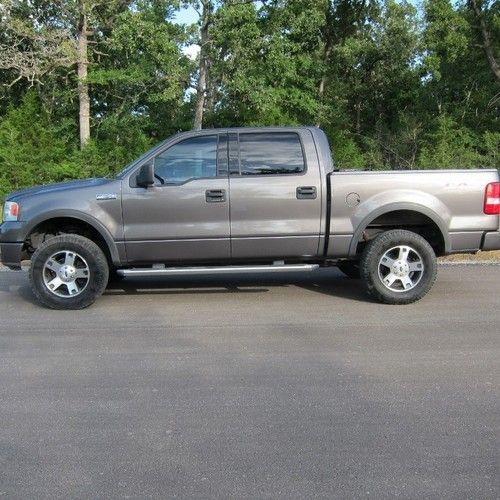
x: 291, y: 387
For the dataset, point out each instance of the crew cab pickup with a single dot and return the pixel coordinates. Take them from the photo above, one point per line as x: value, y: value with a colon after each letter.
x: 247, y: 200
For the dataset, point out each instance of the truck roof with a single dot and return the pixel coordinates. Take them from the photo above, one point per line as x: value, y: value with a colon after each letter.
x: 250, y: 129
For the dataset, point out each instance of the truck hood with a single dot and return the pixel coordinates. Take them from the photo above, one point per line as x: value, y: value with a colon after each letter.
x: 60, y: 186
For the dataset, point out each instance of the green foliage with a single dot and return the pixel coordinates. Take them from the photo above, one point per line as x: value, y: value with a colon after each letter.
x: 446, y: 37
x: 452, y: 145
x: 31, y: 150
x: 118, y: 141
x: 491, y: 145
x: 392, y: 86
x: 347, y: 153
x: 144, y: 60
x: 264, y: 64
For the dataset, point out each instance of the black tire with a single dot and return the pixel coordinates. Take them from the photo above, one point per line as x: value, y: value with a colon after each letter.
x: 88, y: 271
x: 350, y: 269
x: 404, y: 251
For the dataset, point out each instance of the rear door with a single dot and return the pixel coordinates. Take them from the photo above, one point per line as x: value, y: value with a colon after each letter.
x: 275, y: 201
x: 185, y: 215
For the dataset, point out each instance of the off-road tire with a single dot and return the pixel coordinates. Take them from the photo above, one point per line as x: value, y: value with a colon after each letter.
x: 377, y: 249
x: 97, y: 265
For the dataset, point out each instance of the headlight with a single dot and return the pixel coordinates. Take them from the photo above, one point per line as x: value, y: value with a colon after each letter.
x: 10, y: 211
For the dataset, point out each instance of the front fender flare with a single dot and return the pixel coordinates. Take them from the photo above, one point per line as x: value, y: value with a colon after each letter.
x: 77, y: 215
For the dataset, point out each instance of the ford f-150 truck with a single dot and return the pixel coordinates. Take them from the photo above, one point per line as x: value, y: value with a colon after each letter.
x: 247, y: 200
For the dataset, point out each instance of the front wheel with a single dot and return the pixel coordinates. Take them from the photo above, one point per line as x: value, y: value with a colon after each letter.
x: 398, y: 267
x: 68, y: 272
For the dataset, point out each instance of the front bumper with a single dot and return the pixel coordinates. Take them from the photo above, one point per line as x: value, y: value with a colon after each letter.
x: 491, y: 241
x: 11, y: 243
x: 10, y: 254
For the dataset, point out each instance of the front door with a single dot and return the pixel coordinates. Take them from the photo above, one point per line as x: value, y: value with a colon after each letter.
x: 185, y: 215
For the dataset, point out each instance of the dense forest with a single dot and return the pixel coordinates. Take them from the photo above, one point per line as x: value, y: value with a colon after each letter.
x: 87, y: 85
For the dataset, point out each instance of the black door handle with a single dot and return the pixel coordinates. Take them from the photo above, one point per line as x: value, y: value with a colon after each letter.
x: 215, y: 195
x: 306, y: 193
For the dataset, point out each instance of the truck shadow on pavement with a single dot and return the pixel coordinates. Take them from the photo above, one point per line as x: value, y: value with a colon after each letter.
x: 328, y: 282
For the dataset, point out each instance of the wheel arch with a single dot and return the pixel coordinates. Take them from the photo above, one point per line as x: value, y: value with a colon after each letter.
x: 77, y: 220
x: 390, y: 216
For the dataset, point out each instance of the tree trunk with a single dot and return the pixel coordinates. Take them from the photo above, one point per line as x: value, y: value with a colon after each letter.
x: 210, y: 92
x: 358, y: 117
x: 83, y: 88
x: 322, y: 83
x: 327, y: 36
x: 326, y: 58
x: 203, y: 67
x: 488, y: 48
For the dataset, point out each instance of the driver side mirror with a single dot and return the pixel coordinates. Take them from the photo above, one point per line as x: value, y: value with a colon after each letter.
x: 146, y: 175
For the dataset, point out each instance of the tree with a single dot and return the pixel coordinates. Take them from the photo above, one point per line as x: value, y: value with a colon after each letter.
x: 82, y: 64
x: 140, y: 72
x: 489, y: 49
x: 342, y: 20
x: 32, y: 45
x: 263, y: 61
x: 205, y: 15
x: 206, y: 85
x: 87, y: 85
x: 28, y: 140
x: 45, y: 37
x: 457, y: 78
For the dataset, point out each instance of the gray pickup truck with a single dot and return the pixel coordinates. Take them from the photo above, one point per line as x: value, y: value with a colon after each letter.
x: 247, y: 200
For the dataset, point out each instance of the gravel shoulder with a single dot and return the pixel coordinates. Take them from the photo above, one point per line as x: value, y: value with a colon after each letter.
x: 482, y: 257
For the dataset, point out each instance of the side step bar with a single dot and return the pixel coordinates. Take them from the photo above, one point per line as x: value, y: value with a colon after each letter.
x: 202, y: 271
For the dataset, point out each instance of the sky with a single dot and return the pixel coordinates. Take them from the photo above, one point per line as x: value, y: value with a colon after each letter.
x: 186, y: 16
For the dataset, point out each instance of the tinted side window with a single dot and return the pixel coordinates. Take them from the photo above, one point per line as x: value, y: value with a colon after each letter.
x: 189, y: 159
x: 271, y: 153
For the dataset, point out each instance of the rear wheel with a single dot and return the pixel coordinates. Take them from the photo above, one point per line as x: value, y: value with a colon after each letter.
x: 68, y: 272
x: 398, y: 267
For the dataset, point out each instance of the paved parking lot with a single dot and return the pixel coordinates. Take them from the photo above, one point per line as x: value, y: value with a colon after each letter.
x: 287, y: 387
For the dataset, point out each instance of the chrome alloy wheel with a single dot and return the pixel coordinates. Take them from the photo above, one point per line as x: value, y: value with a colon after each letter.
x: 66, y: 274
x: 401, y: 268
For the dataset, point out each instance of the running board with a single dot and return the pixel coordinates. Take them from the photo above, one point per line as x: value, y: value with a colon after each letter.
x: 201, y: 271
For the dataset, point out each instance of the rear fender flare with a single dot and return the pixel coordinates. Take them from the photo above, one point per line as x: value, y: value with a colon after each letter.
x: 392, y: 207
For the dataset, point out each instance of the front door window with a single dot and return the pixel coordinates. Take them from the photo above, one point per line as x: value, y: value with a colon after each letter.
x: 194, y: 158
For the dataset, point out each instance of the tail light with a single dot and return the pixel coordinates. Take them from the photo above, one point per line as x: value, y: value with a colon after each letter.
x: 492, y: 199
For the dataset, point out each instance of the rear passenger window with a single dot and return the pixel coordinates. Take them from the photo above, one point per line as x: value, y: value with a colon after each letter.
x: 271, y: 154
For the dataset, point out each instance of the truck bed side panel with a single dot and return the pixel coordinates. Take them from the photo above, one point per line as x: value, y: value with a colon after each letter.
x: 453, y: 199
